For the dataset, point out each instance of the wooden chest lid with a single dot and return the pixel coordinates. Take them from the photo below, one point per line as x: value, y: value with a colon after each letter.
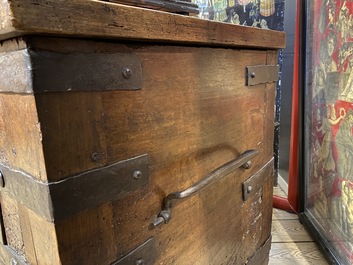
x: 102, y: 19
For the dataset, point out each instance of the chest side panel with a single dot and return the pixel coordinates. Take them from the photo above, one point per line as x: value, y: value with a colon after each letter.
x: 193, y: 114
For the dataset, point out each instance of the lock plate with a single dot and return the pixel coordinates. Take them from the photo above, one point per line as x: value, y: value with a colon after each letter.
x: 261, y: 74
x: 145, y: 254
x: 256, y: 181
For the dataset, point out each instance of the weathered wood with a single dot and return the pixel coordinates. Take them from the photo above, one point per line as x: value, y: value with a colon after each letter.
x: 119, y: 124
x: 109, y: 20
x: 12, y: 45
x: 19, y: 64
x: 261, y: 255
x: 279, y: 192
x: 9, y: 256
x: 13, y: 231
x: 291, y: 244
x: 6, y: 28
x: 44, y: 238
x: 20, y: 135
x: 193, y: 114
x: 301, y: 253
x: 283, y: 215
x: 201, y: 126
x: 89, y: 238
x: 26, y: 227
x: 75, y: 130
x: 288, y: 231
x: 267, y: 207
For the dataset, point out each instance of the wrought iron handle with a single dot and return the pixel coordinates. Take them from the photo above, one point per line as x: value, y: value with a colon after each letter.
x: 166, y: 214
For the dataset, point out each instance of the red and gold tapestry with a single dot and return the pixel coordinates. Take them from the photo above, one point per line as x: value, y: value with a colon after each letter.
x: 329, y: 123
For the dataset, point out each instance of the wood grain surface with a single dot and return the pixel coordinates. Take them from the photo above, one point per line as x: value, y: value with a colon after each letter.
x: 200, y: 115
x: 291, y: 243
x: 289, y: 231
x: 296, y: 254
x: 20, y: 135
x: 89, y: 18
x: 192, y: 115
x: 201, y: 124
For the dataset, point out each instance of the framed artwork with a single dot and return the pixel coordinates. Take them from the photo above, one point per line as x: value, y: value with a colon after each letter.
x: 267, y: 14
x: 328, y: 124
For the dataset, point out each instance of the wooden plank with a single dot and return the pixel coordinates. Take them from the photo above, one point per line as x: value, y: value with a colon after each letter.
x: 109, y: 20
x: 44, y: 240
x: 283, y: 215
x: 13, y: 229
x: 6, y: 28
x: 9, y: 256
x: 21, y: 136
x: 296, y: 254
x: 270, y: 94
x: 279, y: 192
x: 12, y: 45
x: 30, y: 252
x: 267, y: 207
x: 120, y: 124
x: 16, y: 76
x: 217, y: 101
x: 67, y: 118
x: 188, y: 120
x: 89, y: 237
x: 268, y: 127
x: 289, y: 231
x: 189, y: 124
x: 262, y: 254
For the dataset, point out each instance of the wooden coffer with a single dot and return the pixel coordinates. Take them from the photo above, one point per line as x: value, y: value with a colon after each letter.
x: 130, y: 136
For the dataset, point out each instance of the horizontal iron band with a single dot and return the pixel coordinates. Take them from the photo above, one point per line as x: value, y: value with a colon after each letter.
x: 58, y: 200
x: 28, y: 71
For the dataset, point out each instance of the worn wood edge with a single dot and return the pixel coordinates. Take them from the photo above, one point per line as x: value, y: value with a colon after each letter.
x: 16, y: 72
x: 116, y: 21
x: 11, y: 45
x: 262, y: 254
x: 9, y: 256
x: 27, y: 234
x: 6, y: 27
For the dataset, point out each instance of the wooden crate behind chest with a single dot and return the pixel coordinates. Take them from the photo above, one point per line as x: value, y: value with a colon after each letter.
x: 109, y: 111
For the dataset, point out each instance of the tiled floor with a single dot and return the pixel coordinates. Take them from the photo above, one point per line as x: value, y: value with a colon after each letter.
x: 291, y: 243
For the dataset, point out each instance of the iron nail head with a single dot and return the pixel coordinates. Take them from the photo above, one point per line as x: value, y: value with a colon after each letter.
x: 95, y: 157
x: 137, y: 174
x: 252, y: 74
x: 249, y: 189
x: 140, y: 262
x: 127, y: 73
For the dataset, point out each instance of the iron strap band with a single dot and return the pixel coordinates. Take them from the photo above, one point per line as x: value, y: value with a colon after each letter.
x: 58, y: 200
